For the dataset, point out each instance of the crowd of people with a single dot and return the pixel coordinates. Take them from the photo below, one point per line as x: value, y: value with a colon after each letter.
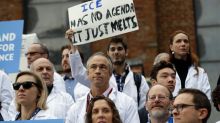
x: 106, y: 90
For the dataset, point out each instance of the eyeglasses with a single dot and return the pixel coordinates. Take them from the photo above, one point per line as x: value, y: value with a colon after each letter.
x: 32, y: 53
x: 160, y: 97
x: 25, y: 85
x: 180, y: 107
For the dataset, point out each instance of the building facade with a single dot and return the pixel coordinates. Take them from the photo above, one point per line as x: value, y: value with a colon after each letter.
x: 157, y: 19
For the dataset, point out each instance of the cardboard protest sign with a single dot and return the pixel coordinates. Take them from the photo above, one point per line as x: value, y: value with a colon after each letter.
x: 27, y: 40
x: 10, y: 45
x: 99, y: 19
x: 36, y: 121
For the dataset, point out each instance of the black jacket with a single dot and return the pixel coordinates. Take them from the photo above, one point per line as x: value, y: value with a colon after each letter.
x: 218, y: 83
x: 143, y: 115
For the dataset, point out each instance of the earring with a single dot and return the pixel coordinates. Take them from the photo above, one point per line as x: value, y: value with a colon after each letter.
x: 172, y: 52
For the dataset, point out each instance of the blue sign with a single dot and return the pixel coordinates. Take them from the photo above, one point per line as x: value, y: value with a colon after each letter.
x: 10, y: 45
x: 36, y: 121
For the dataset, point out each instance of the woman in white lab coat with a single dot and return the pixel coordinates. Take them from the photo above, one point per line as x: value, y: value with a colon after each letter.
x: 189, y: 74
x: 30, y: 97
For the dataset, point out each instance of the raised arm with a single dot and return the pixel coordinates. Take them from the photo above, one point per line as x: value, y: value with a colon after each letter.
x: 78, y: 70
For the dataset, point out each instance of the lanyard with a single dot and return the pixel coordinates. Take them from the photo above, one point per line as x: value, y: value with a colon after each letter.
x: 88, y: 100
x: 32, y: 115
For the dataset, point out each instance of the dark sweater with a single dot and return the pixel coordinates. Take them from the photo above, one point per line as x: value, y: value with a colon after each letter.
x: 182, y: 67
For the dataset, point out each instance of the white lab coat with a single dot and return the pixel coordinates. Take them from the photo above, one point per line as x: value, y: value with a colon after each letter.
x: 59, y: 82
x: 78, y: 70
x: 58, y: 103
x: 41, y: 115
x: 130, y: 89
x: 6, y: 94
x: 199, y: 81
x: 80, y: 91
x: 125, y: 105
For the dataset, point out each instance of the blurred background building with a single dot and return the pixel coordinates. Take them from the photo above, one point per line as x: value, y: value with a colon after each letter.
x: 157, y: 20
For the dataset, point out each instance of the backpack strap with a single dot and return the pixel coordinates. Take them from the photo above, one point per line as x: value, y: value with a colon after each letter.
x: 137, y: 80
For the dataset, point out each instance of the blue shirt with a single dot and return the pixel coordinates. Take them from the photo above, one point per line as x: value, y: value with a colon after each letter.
x: 70, y: 85
x: 170, y: 119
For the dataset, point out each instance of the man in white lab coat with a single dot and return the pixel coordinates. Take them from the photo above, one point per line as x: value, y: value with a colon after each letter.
x: 38, y: 50
x: 74, y: 88
x: 58, y: 102
x: 122, y: 79
x: 162, y: 73
x: 99, y: 71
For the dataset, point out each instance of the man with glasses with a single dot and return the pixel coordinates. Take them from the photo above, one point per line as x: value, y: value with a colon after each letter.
x: 122, y: 78
x: 35, y: 51
x: 99, y: 71
x: 162, y: 73
x: 191, y: 106
x: 58, y: 102
x: 38, y: 50
x: 159, y: 103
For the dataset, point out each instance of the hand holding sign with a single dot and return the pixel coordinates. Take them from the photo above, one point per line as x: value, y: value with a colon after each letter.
x: 69, y: 36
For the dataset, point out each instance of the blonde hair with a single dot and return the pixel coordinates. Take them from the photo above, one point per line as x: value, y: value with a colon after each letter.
x: 41, y: 86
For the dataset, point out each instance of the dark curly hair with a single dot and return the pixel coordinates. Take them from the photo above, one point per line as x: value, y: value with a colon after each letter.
x: 117, y: 40
x: 116, y: 117
x: 216, y: 97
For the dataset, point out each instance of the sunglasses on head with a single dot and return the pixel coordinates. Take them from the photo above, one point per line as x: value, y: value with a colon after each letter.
x: 25, y: 85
